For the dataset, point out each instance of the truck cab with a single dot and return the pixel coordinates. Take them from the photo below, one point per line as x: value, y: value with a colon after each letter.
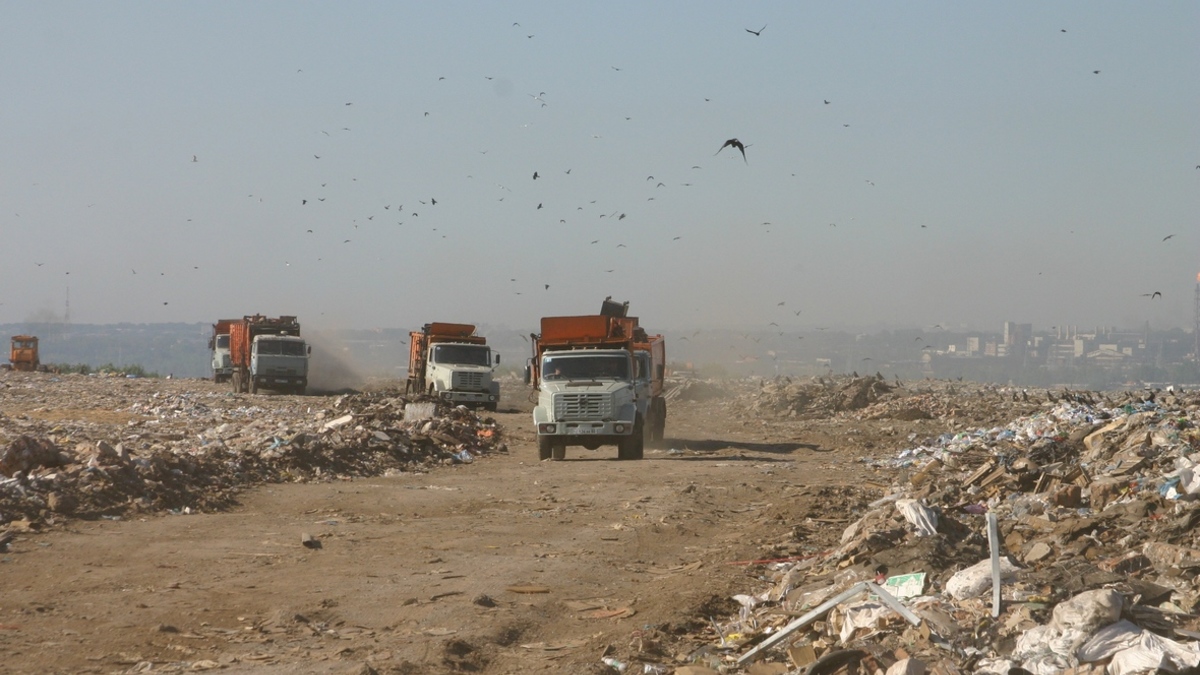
x: 222, y: 364
x: 587, y: 397
x: 279, y: 362
x: 462, y: 373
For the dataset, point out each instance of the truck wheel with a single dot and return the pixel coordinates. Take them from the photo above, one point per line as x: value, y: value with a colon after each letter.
x: 558, y: 453
x: 253, y: 385
x: 236, y: 379
x: 660, y: 421
x: 490, y: 407
x: 545, y: 447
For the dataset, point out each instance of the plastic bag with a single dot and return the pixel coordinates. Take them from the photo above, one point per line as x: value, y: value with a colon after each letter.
x: 1088, y: 611
x: 922, y: 517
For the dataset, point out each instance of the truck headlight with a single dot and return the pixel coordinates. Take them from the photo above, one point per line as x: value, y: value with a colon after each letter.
x: 619, y: 428
x: 545, y: 428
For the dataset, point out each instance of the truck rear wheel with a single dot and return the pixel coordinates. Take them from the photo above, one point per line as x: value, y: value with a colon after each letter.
x: 660, y: 421
x: 558, y: 453
x: 253, y: 385
x: 545, y: 447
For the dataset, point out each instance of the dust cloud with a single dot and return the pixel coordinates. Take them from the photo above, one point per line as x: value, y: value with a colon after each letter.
x: 331, y: 368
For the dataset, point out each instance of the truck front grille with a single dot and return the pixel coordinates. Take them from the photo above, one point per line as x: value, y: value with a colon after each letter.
x: 468, y: 380
x: 580, y: 406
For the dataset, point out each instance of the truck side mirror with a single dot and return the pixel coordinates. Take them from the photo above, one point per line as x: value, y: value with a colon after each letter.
x: 497, y: 359
x: 528, y: 373
x: 210, y: 343
x: 662, y: 371
x: 308, y: 349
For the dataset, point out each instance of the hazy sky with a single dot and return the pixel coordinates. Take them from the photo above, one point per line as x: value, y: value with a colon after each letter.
x: 906, y: 163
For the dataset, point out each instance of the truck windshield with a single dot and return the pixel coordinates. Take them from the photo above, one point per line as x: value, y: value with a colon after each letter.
x: 607, y: 367
x: 463, y: 355
x: 279, y: 348
x: 222, y: 342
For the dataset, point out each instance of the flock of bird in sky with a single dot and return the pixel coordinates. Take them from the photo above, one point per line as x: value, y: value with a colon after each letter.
x: 397, y: 213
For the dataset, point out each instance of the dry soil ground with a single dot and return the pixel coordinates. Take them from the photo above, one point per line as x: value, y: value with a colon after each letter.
x: 505, y: 565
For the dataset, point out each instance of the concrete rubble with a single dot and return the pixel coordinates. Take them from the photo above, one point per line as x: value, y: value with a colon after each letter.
x: 1096, y: 498
x: 183, y: 451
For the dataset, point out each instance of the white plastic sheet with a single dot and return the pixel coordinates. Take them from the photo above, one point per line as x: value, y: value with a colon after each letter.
x: 1108, y: 641
x: 976, y: 579
x: 1154, y: 652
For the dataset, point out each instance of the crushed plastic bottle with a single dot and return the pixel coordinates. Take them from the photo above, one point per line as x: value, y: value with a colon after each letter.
x: 615, y: 664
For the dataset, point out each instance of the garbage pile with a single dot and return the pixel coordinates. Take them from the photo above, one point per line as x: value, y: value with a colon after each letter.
x: 187, y: 451
x: 1064, y: 541
x: 819, y: 397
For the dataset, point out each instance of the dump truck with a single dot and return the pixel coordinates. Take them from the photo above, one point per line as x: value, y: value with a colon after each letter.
x: 449, y: 361
x: 583, y: 369
x: 218, y: 344
x: 24, y: 353
x: 268, y: 353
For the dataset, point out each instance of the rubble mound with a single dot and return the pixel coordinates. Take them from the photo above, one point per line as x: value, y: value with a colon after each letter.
x: 187, y: 452
x: 820, y: 397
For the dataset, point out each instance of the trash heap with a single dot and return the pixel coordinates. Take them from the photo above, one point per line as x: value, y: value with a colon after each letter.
x: 819, y: 397
x: 1064, y: 541
x: 186, y: 451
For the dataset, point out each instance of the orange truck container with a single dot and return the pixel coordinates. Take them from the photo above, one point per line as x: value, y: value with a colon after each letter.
x: 24, y: 353
x: 451, y: 362
x: 268, y: 353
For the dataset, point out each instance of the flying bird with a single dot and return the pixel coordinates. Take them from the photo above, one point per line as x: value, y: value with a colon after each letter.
x: 759, y: 31
x: 1168, y: 237
x: 194, y: 159
x: 535, y: 175
x: 1095, y: 72
x: 1155, y: 294
x: 826, y: 101
x: 735, y: 143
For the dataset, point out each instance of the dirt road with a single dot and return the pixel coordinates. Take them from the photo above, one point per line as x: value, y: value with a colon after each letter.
x: 505, y: 565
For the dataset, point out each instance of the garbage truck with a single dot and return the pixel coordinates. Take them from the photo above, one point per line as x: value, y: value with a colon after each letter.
x: 268, y: 353
x: 451, y: 362
x: 218, y: 344
x: 650, y: 366
x: 583, y: 370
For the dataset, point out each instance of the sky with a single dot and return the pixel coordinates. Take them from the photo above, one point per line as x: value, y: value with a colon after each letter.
x: 906, y: 164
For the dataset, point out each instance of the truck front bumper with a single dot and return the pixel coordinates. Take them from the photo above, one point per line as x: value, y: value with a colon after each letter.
x: 467, y: 396
x: 584, y: 430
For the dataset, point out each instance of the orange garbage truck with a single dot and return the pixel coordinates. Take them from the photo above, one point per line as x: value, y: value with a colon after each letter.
x: 584, y: 372
x: 24, y: 353
x: 451, y: 362
x: 268, y: 353
x: 222, y: 365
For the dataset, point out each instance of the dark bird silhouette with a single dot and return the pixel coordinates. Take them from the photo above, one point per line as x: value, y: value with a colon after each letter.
x: 677, y: 238
x: 1095, y: 72
x: 194, y: 159
x: 759, y: 31
x: 535, y: 175
x: 1168, y: 237
x: 1062, y: 30
x: 826, y: 101
x: 303, y: 202
x: 539, y: 205
x: 1155, y: 294
x: 735, y: 143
